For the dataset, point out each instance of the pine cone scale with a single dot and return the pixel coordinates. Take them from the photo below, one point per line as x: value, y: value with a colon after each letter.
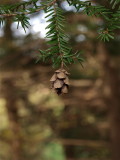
x: 58, y: 83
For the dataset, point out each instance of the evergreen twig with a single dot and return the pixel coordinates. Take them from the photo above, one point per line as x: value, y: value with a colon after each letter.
x: 59, y: 52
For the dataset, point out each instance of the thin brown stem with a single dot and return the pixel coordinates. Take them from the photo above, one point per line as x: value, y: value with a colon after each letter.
x: 26, y: 13
x: 62, y: 64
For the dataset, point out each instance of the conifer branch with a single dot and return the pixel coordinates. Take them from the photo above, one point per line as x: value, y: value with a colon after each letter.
x: 110, y: 17
x: 9, y: 14
x: 59, y: 51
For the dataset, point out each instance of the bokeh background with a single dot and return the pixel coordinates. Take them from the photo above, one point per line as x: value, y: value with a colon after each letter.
x: 36, y: 124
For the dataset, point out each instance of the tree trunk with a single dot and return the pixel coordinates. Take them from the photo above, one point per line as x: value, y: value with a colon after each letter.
x: 10, y: 94
x: 113, y: 102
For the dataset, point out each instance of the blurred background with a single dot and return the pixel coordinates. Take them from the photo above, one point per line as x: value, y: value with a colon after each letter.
x: 36, y: 124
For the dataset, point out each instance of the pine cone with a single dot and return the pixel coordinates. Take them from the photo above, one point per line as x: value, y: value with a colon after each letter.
x: 60, y: 81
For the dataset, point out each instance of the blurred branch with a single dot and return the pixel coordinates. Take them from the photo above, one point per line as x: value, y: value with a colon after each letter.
x: 87, y: 159
x: 79, y: 142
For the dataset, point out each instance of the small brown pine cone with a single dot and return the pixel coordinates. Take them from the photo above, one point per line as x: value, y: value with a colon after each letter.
x: 60, y: 81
